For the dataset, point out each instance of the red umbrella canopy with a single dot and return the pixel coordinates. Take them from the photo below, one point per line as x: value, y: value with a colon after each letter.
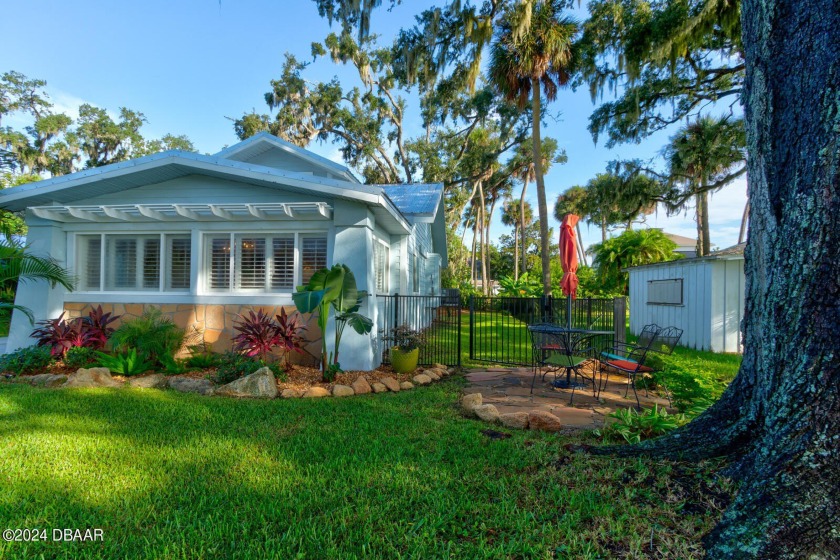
x: 568, y: 255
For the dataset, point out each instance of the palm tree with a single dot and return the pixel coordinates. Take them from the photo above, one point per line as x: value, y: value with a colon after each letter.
x: 16, y: 265
x: 510, y: 217
x: 701, y: 158
x: 631, y: 248
x: 532, y: 53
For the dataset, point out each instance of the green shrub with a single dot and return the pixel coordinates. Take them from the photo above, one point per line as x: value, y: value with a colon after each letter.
x: 635, y: 426
x: 79, y: 357
x: 127, y: 363
x: 175, y: 366
x: 203, y: 360
x: 33, y: 359
x: 152, y: 335
x: 232, y: 366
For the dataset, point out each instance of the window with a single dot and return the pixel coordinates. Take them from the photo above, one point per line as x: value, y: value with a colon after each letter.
x: 380, y: 265
x: 313, y: 254
x: 415, y: 273
x: 262, y: 263
x: 131, y: 262
x: 665, y: 292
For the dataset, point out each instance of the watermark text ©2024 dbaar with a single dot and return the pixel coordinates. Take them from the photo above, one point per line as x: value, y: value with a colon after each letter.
x: 53, y: 535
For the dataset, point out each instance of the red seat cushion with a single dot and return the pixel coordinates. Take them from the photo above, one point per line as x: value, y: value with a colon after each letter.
x: 628, y: 366
x: 551, y: 347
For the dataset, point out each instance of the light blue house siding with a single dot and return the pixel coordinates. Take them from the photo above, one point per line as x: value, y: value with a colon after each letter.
x: 202, y: 236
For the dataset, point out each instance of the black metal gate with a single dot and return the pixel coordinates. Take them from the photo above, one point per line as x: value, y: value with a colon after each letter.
x: 437, y: 317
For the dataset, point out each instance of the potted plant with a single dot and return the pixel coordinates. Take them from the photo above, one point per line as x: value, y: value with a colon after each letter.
x: 405, y: 350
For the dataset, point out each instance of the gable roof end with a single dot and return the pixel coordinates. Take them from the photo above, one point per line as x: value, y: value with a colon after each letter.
x: 263, y: 141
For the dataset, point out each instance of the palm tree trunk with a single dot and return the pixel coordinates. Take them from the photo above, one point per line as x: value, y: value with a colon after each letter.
x: 707, y: 243
x: 487, y: 233
x: 522, y: 221
x: 580, y: 245
x: 603, y: 230
x: 516, y: 251
x: 472, y: 261
x: 742, y: 235
x: 541, y: 200
x: 698, y: 217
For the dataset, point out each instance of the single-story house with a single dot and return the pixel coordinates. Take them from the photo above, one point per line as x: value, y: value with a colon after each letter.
x: 205, y: 237
x: 686, y: 246
x: 704, y: 296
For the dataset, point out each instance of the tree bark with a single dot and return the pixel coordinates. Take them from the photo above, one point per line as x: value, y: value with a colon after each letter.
x: 707, y: 242
x: 482, y: 227
x: 541, y: 200
x: 779, y: 420
x: 698, y: 217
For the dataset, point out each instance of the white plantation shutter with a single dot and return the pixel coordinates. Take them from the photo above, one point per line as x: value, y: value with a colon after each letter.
x: 121, y: 263
x: 380, y: 259
x: 250, y: 263
x: 219, y: 261
x: 151, y: 263
x: 179, y: 253
x: 283, y: 263
x: 89, y: 262
x: 313, y: 256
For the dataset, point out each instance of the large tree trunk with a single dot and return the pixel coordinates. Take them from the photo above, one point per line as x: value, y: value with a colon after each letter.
x: 779, y: 420
x: 482, y: 228
x: 707, y: 242
x: 541, y: 200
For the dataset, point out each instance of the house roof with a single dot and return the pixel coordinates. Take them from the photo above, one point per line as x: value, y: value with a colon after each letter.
x: 419, y: 200
x: 264, y: 141
x: 680, y: 240
x: 165, y: 166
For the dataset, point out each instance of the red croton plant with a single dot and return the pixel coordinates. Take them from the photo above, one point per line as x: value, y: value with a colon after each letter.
x: 89, y: 332
x: 259, y: 334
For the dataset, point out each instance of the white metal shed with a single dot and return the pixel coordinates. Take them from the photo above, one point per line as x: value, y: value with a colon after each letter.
x: 703, y: 296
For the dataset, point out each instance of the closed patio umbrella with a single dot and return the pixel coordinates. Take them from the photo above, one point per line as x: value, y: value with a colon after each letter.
x: 569, y: 262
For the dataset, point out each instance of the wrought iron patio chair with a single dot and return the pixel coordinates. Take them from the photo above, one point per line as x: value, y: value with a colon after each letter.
x: 556, y: 349
x: 633, y: 362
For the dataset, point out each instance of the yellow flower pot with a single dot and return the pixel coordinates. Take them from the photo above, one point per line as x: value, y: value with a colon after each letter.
x: 404, y: 362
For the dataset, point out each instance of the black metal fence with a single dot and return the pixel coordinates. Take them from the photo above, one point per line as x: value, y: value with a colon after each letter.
x: 498, y: 326
x: 437, y: 317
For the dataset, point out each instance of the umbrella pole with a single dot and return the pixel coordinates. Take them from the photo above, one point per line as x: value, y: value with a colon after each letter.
x: 569, y: 311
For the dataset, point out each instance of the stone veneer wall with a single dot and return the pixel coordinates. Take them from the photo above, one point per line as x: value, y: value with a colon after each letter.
x: 213, y: 323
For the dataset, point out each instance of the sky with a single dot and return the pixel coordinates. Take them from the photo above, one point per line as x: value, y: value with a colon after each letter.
x: 192, y: 65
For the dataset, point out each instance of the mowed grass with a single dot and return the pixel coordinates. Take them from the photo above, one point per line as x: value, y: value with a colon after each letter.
x: 168, y: 475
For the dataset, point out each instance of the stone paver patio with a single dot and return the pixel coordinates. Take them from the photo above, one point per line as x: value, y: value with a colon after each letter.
x: 509, y: 389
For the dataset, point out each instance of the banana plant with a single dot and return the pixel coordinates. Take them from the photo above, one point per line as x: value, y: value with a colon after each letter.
x: 333, y: 287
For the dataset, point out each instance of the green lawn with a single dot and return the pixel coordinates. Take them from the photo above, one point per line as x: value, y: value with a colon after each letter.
x: 168, y: 475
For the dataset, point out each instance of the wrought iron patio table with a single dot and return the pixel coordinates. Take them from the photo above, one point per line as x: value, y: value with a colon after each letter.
x: 561, y: 347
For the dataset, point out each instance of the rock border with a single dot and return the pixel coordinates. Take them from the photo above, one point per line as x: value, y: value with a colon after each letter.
x: 540, y: 420
x: 258, y: 385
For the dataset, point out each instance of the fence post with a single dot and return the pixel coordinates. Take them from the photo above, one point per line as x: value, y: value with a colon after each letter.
x: 396, y: 309
x: 620, y: 319
x: 458, y: 332
x: 472, y: 326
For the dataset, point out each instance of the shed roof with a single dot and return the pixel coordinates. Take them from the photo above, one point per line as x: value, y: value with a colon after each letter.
x: 734, y: 253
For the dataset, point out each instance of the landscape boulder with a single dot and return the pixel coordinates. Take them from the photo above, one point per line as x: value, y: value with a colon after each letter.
x: 92, y: 377
x: 361, y: 386
x: 543, y: 421
x: 343, y: 391
x: 469, y: 402
x: 517, y: 420
x: 432, y: 374
x: 291, y: 393
x: 44, y: 380
x: 316, y: 393
x: 391, y: 383
x: 406, y: 385
x: 487, y: 412
x: 151, y: 381
x: 258, y: 385
x: 191, y: 385
x: 422, y: 379
x: 379, y: 387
